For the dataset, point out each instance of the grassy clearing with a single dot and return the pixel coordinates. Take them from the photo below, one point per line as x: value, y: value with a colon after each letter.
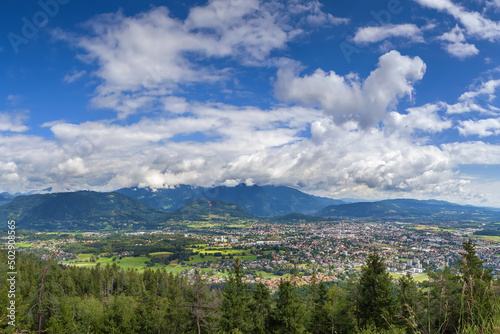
x: 23, y: 245
x: 489, y: 237
x: 161, y: 253
x: 207, y: 225
x: 419, y: 278
x: 128, y: 262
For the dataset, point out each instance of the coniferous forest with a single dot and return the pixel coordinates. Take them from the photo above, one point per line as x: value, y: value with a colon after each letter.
x: 51, y: 298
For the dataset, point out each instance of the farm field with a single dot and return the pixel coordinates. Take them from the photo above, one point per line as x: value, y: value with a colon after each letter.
x: 127, y: 262
x: 419, y: 278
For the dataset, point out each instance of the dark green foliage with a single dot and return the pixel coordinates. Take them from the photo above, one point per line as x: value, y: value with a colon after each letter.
x: 441, y: 302
x: 199, y: 209
x: 340, y: 308
x: 321, y: 321
x: 288, y: 315
x: 296, y: 218
x: 54, y: 299
x: 235, y: 302
x: 376, y: 303
x: 261, y: 309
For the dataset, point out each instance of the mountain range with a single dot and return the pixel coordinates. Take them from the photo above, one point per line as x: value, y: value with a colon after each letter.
x: 135, y: 208
x: 402, y: 209
x: 261, y: 201
x: 81, y: 210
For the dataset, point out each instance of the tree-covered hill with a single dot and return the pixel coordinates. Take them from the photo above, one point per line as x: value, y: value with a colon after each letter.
x: 204, y: 209
x: 403, y: 209
x: 81, y: 210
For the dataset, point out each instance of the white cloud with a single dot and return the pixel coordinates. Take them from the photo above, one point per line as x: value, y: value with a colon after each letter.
x: 315, y: 15
x: 475, y: 24
x: 461, y: 50
x: 474, y: 100
x: 13, y: 121
x: 144, y: 57
x: 75, y: 75
x: 482, y: 128
x: 476, y: 152
x: 248, y: 145
x: 73, y: 167
x: 347, y: 98
x: 380, y: 33
x: 487, y: 88
x: 457, y: 46
x: 8, y: 173
x: 423, y: 118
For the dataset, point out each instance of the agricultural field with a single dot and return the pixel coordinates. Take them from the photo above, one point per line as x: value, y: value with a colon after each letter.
x: 127, y: 262
x: 489, y: 237
x: 418, y: 278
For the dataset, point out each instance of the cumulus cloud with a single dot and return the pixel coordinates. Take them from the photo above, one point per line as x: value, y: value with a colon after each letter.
x: 482, y: 128
x: 473, y: 152
x: 423, y: 118
x: 379, y: 33
x: 251, y: 145
x: 144, y: 57
x: 73, y: 167
x: 474, y: 100
x: 8, y: 172
x: 461, y: 50
x: 348, y: 98
x: 456, y: 45
x: 13, y: 121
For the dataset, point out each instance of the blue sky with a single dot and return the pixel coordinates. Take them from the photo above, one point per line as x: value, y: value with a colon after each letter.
x: 365, y: 99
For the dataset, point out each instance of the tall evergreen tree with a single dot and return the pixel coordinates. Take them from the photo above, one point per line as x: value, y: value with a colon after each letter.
x: 288, y: 315
x: 235, y: 302
x: 261, y: 310
x: 320, y: 318
x: 376, y: 303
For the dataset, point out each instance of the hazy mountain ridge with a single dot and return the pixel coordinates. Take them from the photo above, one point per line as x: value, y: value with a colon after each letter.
x: 262, y: 201
x: 84, y: 210
x: 88, y: 210
x: 409, y: 208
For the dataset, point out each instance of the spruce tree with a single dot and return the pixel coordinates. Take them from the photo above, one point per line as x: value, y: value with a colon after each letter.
x: 288, y: 315
x: 260, y: 308
x: 234, y: 305
x: 376, y: 302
